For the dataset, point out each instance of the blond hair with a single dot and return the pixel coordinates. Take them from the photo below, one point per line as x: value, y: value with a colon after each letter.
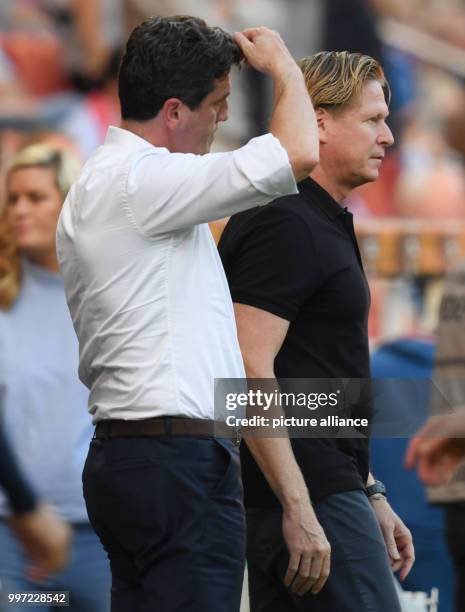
x: 65, y: 168
x: 335, y: 79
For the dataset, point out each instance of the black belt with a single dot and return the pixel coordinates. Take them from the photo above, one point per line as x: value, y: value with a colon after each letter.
x: 164, y: 426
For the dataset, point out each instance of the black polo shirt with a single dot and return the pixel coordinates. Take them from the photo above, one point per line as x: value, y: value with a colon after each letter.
x: 298, y: 259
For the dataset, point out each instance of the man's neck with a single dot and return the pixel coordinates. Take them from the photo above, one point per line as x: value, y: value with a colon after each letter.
x: 336, y: 190
x: 148, y: 130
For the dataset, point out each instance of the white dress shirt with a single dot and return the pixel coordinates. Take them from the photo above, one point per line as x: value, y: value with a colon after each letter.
x: 144, y: 282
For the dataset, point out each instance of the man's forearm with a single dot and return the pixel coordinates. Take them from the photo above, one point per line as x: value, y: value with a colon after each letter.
x: 276, y: 460
x: 274, y: 455
x: 293, y: 121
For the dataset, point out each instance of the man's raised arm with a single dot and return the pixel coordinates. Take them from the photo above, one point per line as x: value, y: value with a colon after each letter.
x: 293, y: 121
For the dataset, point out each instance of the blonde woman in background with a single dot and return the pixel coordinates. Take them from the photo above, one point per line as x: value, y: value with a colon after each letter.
x: 42, y: 403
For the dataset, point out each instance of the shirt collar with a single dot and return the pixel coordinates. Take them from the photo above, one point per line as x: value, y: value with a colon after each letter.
x: 124, y: 138
x: 313, y: 192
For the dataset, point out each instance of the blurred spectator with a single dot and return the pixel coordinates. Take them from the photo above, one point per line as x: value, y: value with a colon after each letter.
x: 13, y: 141
x: 58, y: 63
x: 455, y: 125
x: 443, y: 18
x: 41, y: 399
x: 44, y: 536
x: 449, y: 379
x: 88, y: 120
x: 96, y: 32
x: 405, y: 364
x: 52, y: 138
x: 432, y: 183
x: 78, y: 40
x: 411, y: 358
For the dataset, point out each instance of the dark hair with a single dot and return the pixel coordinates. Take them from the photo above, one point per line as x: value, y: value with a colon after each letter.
x: 172, y: 57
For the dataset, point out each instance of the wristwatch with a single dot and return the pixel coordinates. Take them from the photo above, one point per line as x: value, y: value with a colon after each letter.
x: 376, y: 489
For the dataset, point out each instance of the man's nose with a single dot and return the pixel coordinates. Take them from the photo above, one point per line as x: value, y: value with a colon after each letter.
x: 386, y: 137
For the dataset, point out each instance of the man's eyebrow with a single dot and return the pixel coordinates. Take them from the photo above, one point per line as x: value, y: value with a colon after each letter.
x: 379, y: 115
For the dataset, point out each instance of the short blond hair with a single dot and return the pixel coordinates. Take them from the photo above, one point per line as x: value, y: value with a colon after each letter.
x: 65, y: 168
x: 335, y: 79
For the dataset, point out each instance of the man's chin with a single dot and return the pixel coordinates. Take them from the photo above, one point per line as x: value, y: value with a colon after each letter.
x: 370, y: 176
x: 363, y: 179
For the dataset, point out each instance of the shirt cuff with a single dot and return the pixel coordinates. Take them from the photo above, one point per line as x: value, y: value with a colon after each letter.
x: 265, y: 162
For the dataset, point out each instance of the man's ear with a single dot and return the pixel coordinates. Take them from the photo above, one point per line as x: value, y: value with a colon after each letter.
x: 322, y: 117
x: 173, y: 113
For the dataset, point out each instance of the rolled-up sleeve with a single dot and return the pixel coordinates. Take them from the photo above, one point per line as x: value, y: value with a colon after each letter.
x: 270, y: 174
x: 169, y: 191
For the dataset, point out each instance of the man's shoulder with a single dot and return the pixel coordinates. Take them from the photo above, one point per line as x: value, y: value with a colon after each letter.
x: 278, y: 229
x: 288, y: 209
x: 293, y: 208
x: 280, y: 217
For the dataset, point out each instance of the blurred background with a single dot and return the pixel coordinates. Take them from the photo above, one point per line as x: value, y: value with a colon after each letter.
x: 58, y: 70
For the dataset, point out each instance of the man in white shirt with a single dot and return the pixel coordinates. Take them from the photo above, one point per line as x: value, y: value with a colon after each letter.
x: 154, y: 318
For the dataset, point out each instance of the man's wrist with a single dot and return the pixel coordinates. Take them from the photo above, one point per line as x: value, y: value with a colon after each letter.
x: 377, y: 497
x: 376, y: 488
x: 284, y: 72
x: 294, y: 503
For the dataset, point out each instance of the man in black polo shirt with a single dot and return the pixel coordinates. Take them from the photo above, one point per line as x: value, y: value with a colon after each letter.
x: 301, y: 301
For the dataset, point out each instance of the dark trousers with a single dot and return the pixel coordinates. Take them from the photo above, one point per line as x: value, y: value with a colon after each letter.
x: 169, y: 513
x: 360, y: 580
x: 455, y: 534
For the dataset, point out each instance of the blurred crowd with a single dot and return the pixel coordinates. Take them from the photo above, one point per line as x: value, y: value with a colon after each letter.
x: 58, y: 94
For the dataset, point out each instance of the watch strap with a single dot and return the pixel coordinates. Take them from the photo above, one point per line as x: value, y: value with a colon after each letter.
x: 376, y: 487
